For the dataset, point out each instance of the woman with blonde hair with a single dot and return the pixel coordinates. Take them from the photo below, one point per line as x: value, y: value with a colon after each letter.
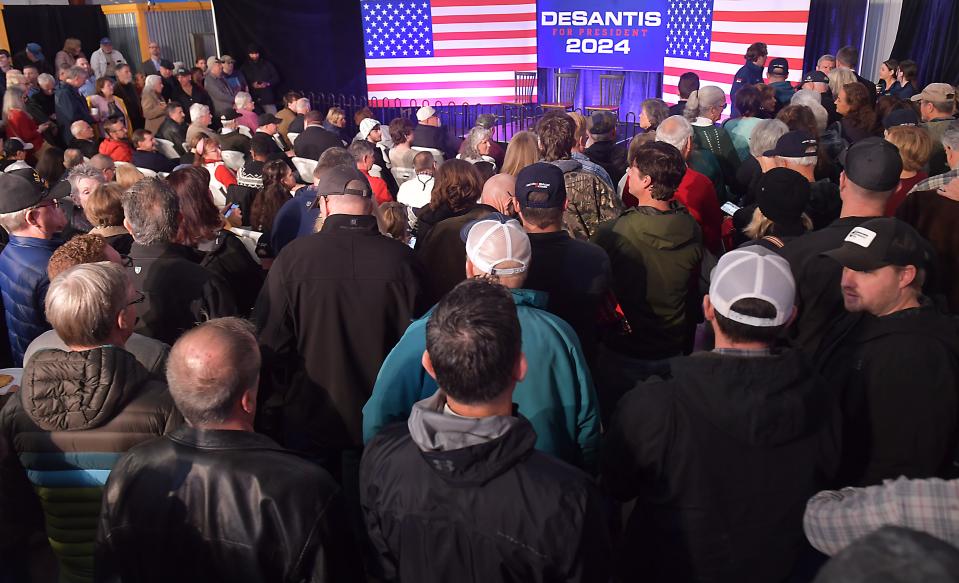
x: 127, y: 175
x: 839, y: 78
x: 522, y: 151
x: 915, y: 147
x: 19, y: 123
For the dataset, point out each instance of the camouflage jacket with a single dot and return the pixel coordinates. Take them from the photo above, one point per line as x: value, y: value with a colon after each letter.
x: 590, y: 201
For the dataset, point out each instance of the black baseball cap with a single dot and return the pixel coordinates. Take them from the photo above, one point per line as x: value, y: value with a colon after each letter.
x: 19, y: 193
x: 778, y: 66
x: 603, y: 122
x: 266, y: 119
x: 253, y: 49
x: 782, y: 195
x: 794, y: 144
x: 230, y: 115
x: 880, y: 242
x: 815, y: 77
x: 900, y: 117
x: 541, y: 177
x: 344, y: 180
x: 873, y: 164
x: 182, y: 71
x: 166, y: 64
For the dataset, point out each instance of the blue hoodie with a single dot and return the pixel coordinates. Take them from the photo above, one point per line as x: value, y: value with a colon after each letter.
x: 557, y: 395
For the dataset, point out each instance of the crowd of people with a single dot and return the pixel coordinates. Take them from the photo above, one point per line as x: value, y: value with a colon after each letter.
x: 248, y: 346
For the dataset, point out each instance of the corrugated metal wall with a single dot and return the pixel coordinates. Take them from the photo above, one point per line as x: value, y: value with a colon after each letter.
x: 123, y: 33
x: 174, y: 31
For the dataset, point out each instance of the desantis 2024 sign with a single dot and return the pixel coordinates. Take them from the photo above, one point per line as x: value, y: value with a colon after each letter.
x: 629, y: 35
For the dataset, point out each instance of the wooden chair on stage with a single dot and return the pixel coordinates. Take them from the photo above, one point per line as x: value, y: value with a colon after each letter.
x: 610, y: 94
x: 524, y: 85
x: 566, y: 86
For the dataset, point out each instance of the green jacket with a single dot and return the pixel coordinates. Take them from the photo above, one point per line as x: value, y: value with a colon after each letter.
x: 655, y: 257
x: 716, y: 140
x: 557, y: 395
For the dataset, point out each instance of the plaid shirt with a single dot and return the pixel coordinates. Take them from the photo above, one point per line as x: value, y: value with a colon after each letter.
x: 935, y: 182
x: 835, y: 519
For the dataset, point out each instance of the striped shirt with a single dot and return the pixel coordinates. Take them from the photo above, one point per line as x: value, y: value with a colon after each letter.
x: 835, y: 519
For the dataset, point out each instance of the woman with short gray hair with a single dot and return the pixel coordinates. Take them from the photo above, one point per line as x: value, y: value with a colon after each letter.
x: 153, y: 104
x: 477, y: 145
x: 704, y: 109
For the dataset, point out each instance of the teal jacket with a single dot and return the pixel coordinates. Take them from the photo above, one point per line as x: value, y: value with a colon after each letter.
x: 557, y: 395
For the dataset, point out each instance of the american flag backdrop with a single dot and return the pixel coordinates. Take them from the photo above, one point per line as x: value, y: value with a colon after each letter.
x: 447, y: 50
x: 710, y: 37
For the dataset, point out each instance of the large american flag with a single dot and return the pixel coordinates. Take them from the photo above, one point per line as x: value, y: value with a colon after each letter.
x: 710, y: 37
x: 447, y: 50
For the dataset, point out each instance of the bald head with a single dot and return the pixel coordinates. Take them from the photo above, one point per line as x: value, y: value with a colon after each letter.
x: 213, y: 372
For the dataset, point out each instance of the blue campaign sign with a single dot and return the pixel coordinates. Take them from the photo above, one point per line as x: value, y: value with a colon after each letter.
x: 629, y: 35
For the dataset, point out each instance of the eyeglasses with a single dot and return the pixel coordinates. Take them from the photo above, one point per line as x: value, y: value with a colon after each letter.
x: 55, y: 203
x: 139, y: 299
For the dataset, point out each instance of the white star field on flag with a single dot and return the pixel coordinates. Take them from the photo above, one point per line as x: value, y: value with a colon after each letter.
x: 689, y: 29
x: 396, y: 30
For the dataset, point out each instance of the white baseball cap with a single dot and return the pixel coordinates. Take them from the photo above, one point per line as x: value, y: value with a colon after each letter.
x: 425, y: 112
x: 494, y: 240
x: 754, y: 272
x: 368, y: 125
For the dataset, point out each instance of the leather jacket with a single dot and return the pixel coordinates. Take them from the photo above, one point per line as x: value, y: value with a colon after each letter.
x: 219, y: 505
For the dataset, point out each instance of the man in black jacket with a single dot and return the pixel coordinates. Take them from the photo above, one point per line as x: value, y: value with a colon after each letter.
x: 146, y: 156
x: 848, y: 58
x: 126, y: 90
x: 178, y: 291
x: 431, y: 134
x: 461, y: 484
x: 723, y: 454
x: 315, y: 139
x: 249, y: 491
x: 898, y: 365
x: 872, y: 168
x: 173, y: 128
x: 262, y: 77
x: 334, y: 305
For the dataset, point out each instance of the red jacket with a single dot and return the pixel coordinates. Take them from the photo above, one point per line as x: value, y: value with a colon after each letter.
x: 698, y: 195
x: 120, y: 151
x: 380, y: 192
x: 21, y: 125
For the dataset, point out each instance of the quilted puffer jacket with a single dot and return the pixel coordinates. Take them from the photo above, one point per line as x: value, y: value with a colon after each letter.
x: 24, y: 283
x: 75, y: 413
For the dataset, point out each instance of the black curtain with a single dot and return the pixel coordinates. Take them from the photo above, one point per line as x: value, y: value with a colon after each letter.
x: 929, y: 34
x: 316, y: 46
x: 49, y: 26
x: 833, y: 24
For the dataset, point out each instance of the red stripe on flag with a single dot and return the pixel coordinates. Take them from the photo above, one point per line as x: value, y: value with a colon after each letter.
x: 747, y: 38
x: 674, y: 90
x: 703, y: 75
x: 794, y: 64
x: 753, y: 16
x: 471, y: 18
x: 484, y: 34
x: 484, y: 52
x: 425, y: 69
x: 374, y: 87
